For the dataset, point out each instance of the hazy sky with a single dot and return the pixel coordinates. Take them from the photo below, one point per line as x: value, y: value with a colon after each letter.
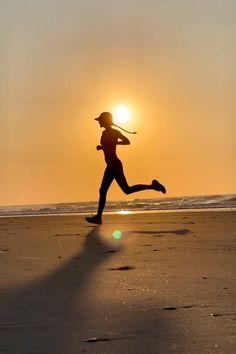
x: 65, y: 61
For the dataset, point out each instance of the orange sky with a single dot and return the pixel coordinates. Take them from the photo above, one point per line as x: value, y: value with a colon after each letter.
x: 64, y: 62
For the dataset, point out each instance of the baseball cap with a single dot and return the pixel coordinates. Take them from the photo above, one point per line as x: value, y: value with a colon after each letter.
x: 104, y: 116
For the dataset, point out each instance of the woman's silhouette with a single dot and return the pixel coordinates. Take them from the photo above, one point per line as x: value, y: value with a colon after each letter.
x: 109, y: 140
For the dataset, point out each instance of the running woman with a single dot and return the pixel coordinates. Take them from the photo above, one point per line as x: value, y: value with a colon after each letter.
x: 114, y: 170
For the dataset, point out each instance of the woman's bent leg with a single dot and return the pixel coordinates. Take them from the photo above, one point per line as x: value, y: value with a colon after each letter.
x: 122, y: 182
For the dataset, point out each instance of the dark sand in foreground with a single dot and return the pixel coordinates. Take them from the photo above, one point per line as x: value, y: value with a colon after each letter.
x: 166, y: 286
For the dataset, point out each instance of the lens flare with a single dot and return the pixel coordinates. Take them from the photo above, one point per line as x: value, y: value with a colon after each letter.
x: 117, y: 234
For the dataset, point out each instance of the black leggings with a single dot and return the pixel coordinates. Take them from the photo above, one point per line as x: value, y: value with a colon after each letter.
x: 114, y: 170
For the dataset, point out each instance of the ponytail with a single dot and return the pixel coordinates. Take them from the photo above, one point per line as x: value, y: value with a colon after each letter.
x: 124, y: 129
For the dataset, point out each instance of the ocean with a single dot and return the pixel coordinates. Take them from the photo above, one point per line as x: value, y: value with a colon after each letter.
x: 225, y: 202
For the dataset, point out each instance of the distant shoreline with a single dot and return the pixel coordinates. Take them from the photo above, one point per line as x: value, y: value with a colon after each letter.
x: 135, y: 206
x: 123, y: 212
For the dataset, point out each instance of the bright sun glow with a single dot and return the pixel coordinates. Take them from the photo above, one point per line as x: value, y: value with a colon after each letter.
x: 121, y: 114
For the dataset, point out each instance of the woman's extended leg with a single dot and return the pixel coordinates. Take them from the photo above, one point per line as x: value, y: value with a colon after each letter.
x: 106, y: 182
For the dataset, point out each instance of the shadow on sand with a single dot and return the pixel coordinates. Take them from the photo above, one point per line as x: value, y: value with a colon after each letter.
x: 54, y: 315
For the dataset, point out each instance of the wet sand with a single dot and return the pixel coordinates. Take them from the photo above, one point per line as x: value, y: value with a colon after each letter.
x: 165, y: 284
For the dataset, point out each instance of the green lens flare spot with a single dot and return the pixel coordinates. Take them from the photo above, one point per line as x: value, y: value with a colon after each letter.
x: 117, y: 234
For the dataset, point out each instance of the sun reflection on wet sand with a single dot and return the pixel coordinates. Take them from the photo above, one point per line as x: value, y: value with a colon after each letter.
x: 124, y: 212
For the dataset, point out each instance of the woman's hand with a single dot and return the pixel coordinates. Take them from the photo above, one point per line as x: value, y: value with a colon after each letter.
x: 99, y: 147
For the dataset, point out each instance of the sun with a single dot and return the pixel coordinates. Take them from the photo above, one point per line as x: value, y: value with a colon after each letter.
x: 121, y: 114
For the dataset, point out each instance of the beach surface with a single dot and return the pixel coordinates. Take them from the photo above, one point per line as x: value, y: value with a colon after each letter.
x: 140, y: 283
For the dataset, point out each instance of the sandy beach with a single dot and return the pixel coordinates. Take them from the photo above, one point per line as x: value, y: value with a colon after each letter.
x: 163, y: 283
